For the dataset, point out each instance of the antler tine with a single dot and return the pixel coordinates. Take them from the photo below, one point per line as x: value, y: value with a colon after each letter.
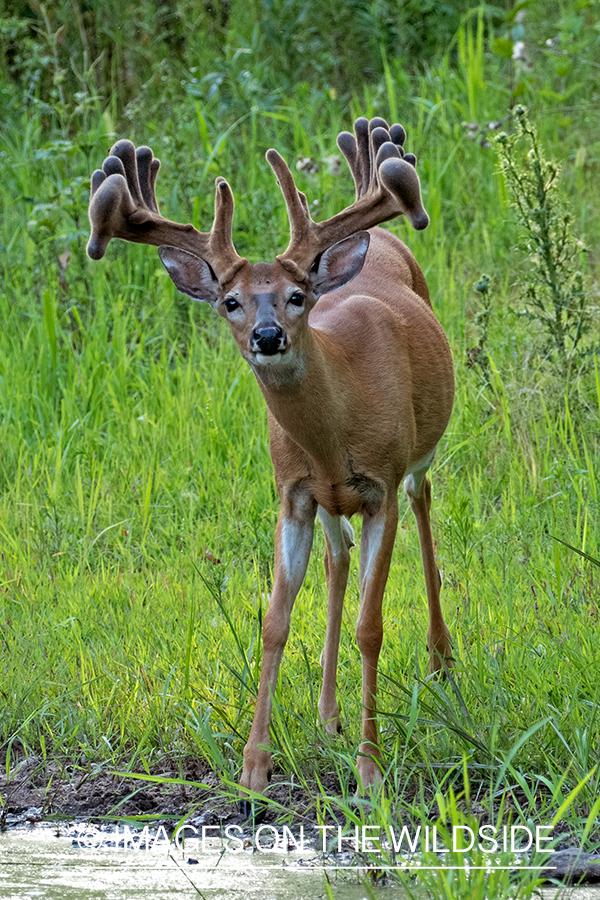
x: 297, y: 206
x: 147, y: 168
x: 123, y: 205
x: 361, y: 149
x: 386, y: 185
x: 348, y: 145
x: 378, y: 134
x: 361, y: 131
x: 220, y: 240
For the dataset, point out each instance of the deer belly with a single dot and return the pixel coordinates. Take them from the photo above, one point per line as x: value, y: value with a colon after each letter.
x: 358, y: 493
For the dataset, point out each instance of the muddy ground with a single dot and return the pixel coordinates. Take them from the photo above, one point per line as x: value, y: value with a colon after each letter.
x: 37, y: 791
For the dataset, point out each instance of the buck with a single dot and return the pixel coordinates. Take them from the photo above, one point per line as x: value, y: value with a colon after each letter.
x: 358, y: 380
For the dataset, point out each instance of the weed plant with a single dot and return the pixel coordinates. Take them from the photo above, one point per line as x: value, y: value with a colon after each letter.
x: 554, y: 292
x: 477, y: 356
x: 138, y: 503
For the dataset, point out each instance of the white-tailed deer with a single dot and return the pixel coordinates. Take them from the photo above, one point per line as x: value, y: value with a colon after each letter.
x: 357, y: 375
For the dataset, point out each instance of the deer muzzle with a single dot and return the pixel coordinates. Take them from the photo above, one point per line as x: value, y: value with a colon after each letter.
x: 268, y: 340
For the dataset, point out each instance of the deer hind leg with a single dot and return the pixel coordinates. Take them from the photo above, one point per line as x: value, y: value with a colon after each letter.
x: 339, y: 538
x: 377, y: 543
x: 293, y: 543
x: 439, y: 639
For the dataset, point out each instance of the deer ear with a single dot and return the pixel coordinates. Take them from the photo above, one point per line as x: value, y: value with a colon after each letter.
x: 190, y: 274
x: 339, y: 264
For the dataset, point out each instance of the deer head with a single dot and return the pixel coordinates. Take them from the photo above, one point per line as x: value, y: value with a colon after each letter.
x: 266, y: 305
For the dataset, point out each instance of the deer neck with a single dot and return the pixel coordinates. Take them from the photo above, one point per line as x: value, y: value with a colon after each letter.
x: 306, y: 400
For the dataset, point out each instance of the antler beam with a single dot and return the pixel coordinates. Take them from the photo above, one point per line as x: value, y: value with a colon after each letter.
x: 386, y: 184
x: 123, y: 205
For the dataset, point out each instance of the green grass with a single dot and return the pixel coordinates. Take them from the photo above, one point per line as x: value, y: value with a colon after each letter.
x: 138, y: 502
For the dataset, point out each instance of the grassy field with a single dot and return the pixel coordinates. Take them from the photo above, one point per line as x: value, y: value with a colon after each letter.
x: 138, y: 502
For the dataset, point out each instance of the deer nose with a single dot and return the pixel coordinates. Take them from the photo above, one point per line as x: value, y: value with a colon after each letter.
x: 268, y: 339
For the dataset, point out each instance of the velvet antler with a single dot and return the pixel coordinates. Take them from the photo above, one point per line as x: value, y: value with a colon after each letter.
x: 386, y: 183
x: 123, y: 205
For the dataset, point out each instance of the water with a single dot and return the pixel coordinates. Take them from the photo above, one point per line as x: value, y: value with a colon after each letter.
x: 68, y: 864
x: 35, y: 863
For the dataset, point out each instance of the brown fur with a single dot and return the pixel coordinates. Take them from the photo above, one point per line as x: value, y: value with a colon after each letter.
x: 359, y: 388
x: 369, y: 396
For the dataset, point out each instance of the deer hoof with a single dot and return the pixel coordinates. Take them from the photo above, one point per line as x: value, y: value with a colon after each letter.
x: 253, y: 811
x: 256, y: 777
x: 440, y: 653
x: 333, y: 726
x: 369, y: 776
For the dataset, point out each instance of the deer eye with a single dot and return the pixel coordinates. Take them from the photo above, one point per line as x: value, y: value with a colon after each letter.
x: 230, y: 304
x: 297, y: 299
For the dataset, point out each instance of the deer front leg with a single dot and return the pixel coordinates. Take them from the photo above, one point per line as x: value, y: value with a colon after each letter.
x: 377, y: 543
x: 339, y: 538
x: 439, y: 639
x: 293, y: 542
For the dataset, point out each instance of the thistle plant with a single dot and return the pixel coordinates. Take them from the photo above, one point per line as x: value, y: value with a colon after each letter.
x: 553, y: 290
x: 477, y: 357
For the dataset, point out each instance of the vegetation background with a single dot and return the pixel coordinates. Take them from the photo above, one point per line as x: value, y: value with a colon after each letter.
x: 138, y: 503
